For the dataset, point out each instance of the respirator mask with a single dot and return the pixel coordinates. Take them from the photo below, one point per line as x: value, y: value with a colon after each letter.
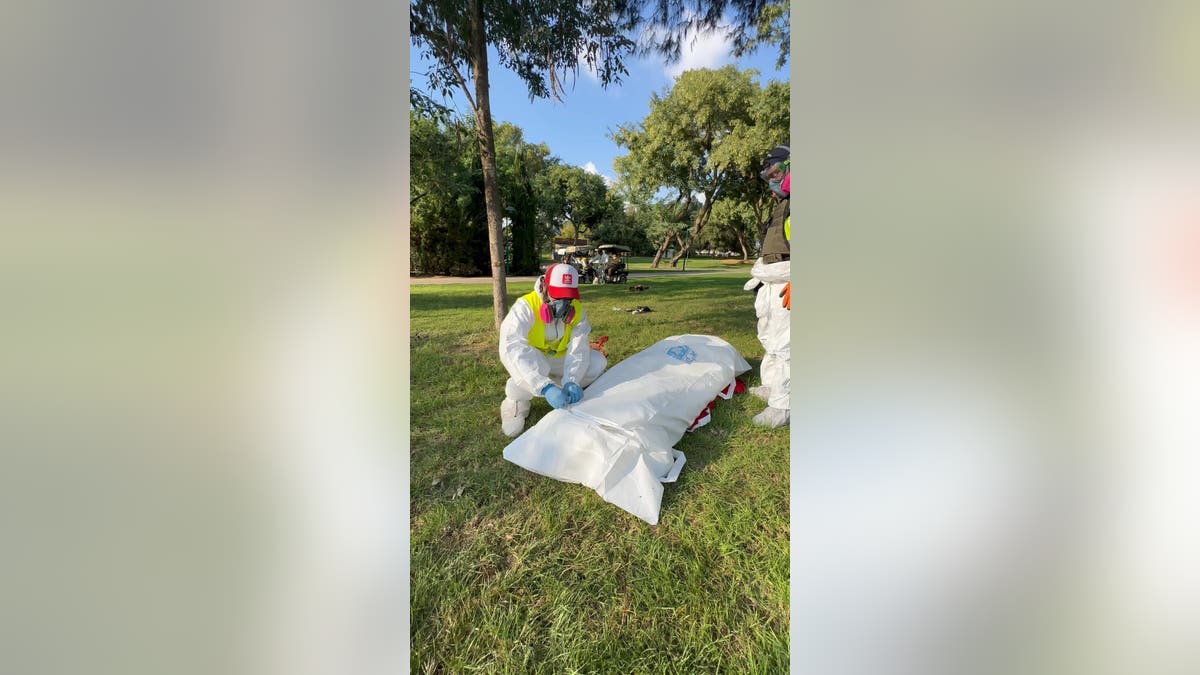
x: 559, y: 309
x: 775, y: 176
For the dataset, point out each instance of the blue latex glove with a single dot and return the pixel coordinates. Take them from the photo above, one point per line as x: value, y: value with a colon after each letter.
x: 554, y: 396
x: 574, y: 392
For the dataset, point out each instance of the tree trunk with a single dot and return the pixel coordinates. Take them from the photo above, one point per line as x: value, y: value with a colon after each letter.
x: 759, y: 207
x: 487, y: 154
x: 741, y: 238
x: 662, y: 249
x: 697, y: 225
x: 682, y: 248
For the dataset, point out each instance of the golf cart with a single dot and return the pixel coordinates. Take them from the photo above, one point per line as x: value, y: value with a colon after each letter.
x: 614, y: 270
x: 578, y: 257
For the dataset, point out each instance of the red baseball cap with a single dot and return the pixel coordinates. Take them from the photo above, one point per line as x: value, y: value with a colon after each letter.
x: 562, y: 281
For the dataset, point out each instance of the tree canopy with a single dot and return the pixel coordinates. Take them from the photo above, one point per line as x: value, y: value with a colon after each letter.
x: 542, y: 198
x: 748, y: 24
x: 574, y: 196
x: 690, y: 178
x: 702, y: 142
x: 541, y: 41
x: 448, y: 224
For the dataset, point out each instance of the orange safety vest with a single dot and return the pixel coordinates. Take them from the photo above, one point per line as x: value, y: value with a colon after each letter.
x: 537, y: 334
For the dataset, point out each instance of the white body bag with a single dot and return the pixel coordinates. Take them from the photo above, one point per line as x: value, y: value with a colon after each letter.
x: 618, y: 440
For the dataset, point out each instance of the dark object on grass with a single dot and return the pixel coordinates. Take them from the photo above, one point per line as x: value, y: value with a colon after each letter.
x: 641, y: 309
x: 639, y: 288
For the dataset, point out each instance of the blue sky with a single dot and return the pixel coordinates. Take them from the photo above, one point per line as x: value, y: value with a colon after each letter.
x: 576, y: 129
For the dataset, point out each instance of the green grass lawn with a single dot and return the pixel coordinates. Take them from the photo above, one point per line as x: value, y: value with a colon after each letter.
x: 513, y: 572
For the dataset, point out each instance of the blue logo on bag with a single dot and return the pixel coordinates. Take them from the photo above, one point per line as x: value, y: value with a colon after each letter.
x: 682, y: 353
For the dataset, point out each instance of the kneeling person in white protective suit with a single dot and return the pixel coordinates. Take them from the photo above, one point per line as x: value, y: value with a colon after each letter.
x: 771, y: 276
x: 545, y: 338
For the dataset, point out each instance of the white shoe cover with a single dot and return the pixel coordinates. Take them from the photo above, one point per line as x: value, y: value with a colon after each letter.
x: 512, y: 417
x: 773, y: 417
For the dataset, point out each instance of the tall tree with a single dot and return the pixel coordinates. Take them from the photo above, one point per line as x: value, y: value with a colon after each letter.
x: 736, y: 219
x: 572, y: 196
x: 620, y: 225
x: 520, y: 167
x: 664, y: 224
x: 745, y: 203
x: 703, y: 141
x: 694, y: 142
x: 539, y: 40
x: 449, y: 227
x: 667, y: 232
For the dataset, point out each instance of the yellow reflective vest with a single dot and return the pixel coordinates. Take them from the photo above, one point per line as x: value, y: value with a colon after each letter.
x: 537, y: 334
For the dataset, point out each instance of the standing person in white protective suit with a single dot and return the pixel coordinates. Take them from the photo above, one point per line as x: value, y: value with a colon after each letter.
x: 771, y: 277
x: 545, y: 338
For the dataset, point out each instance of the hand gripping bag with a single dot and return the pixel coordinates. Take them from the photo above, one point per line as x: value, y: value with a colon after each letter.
x: 619, y: 439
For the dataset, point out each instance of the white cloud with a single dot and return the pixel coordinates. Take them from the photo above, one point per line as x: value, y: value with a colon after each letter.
x: 710, y: 50
x: 590, y: 167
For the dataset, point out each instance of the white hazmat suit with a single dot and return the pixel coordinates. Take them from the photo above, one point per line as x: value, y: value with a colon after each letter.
x: 531, y: 369
x: 774, y: 330
x: 770, y: 275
